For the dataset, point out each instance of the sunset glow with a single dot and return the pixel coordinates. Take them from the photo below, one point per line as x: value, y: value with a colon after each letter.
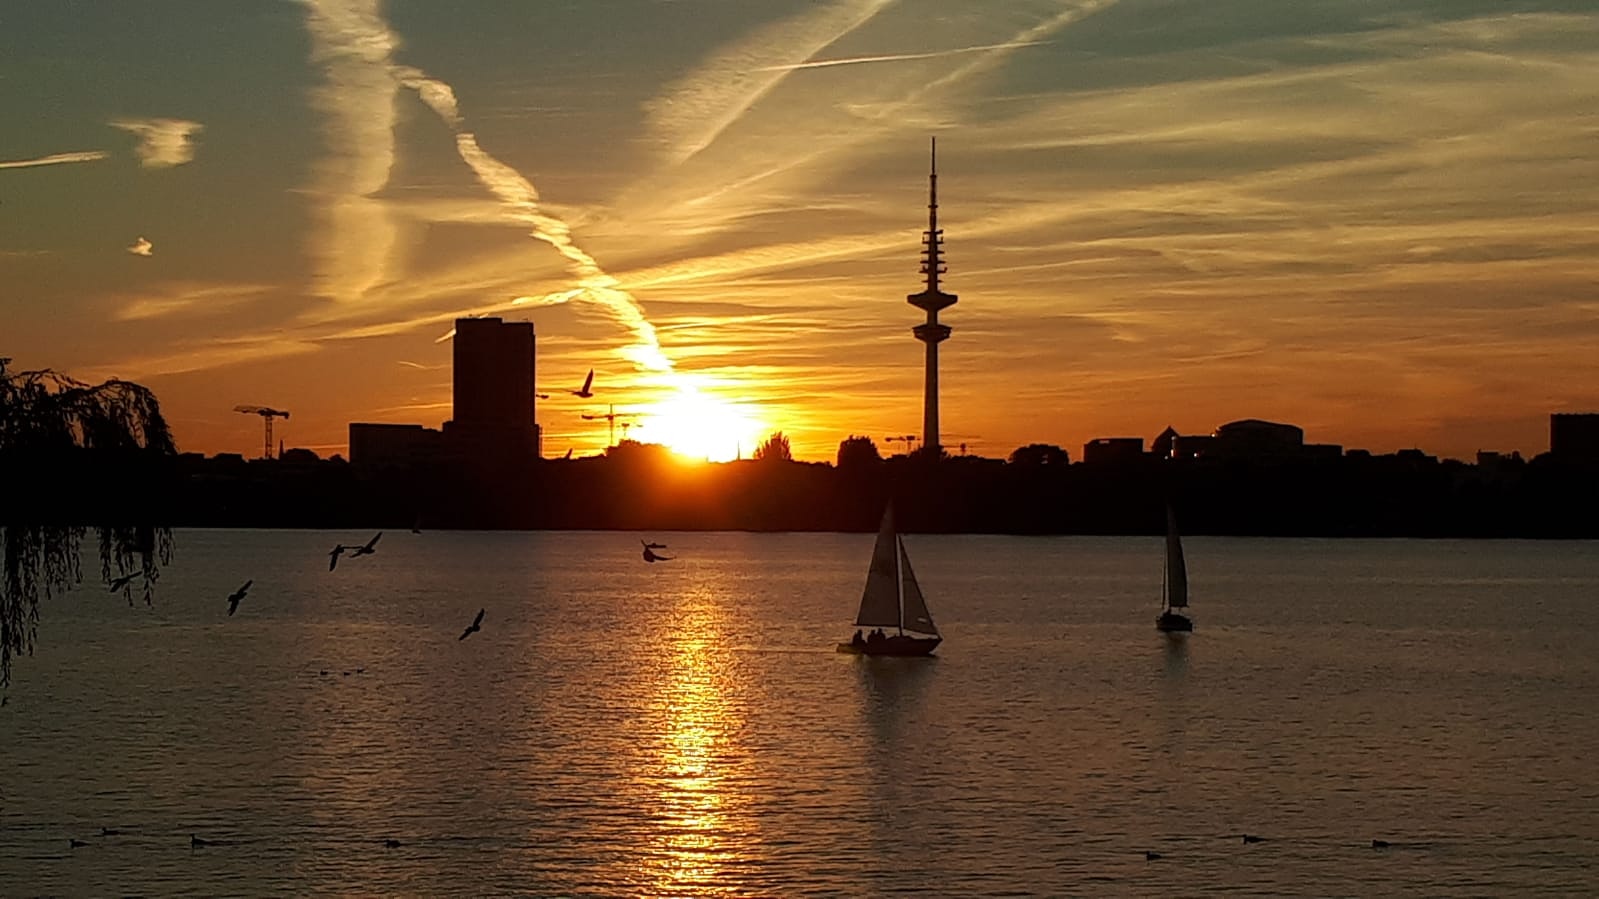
x: 699, y: 426
x: 1154, y: 215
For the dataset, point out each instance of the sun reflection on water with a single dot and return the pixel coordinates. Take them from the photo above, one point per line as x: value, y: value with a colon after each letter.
x: 699, y: 831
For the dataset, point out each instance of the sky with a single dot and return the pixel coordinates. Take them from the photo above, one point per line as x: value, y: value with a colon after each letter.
x: 1375, y: 219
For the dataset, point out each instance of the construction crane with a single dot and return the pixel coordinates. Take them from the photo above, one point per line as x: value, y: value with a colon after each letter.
x: 613, y: 417
x: 267, y: 414
x: 908, y: 439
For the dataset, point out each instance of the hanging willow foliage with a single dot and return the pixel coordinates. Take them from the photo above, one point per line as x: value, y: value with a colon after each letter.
x: 46, y: 416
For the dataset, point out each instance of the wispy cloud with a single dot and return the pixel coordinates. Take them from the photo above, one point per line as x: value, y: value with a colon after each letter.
x: 142, y: 247
x: 175, y: 299
x: 54, y: 159
x: 357, y: 235
x: 163, y: 143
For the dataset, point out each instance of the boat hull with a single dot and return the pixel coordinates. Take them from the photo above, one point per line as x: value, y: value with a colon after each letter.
x: 1173, y: 623
x: 897, y: 645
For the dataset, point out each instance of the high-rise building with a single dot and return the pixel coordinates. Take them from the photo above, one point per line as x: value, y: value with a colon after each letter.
x: 931, y: 332
x: 493, y: 398
x: 1574, y: 436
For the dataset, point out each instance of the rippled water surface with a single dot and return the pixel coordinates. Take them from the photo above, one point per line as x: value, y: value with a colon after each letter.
x: 686, y: 728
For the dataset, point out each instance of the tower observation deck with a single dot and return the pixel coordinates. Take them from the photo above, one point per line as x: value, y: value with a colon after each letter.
x: 931, y: 300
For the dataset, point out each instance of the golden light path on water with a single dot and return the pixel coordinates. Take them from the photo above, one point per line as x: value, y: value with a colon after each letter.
x: 700, y: 831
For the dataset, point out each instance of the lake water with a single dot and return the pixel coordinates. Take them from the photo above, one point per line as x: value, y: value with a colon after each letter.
x: 685, y: 728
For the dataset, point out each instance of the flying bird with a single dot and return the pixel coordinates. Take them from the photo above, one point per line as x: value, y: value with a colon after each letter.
x: 477, y: 625
x: 368, y: 549
x: 653, y: 545
x: 237, y: 597
x: 73, y: 844
x: 588, y: 382
x: 651, y: 555
x: 391, y: 844
x: 195, y: 842
x: 542, y: 396
x: 333, y: 556
x: 120, y: 582
x: 1251, y: 838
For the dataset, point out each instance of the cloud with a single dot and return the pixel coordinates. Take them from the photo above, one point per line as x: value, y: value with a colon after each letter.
x: 163, y: 143
x: 357, y: 235
x: 54, y: 159
x: 181, y: 298
x: 142, y: 247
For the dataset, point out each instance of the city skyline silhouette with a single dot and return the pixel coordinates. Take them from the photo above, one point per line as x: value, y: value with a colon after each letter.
x: 1158, y: 220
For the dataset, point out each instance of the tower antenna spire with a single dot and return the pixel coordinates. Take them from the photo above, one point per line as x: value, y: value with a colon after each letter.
x: 932, y: 332
x: 934, y: 266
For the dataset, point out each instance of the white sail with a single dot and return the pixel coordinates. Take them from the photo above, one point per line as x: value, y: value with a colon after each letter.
x: 1176, y: 570
x: 880, y: 600
x: 917, y: 618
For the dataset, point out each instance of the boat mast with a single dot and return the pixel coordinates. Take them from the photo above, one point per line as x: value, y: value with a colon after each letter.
x: 1165, y: 580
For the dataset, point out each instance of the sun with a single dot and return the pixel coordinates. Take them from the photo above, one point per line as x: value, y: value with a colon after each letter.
x: 699, y: 426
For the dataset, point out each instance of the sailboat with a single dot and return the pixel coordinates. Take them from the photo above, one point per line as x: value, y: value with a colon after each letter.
x: 1174, y: 586
x: 892, y: 599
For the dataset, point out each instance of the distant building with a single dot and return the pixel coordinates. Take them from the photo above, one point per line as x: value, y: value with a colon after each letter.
x: 1192, y: 446
x: 493, y: 392
x: 1574, y: 436
x: 1164, y: 445
x: 1253, y: 438
x: 394, y: 446
x: 1112, y: 449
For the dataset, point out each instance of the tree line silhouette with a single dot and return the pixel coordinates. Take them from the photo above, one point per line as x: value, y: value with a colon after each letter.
x: 644, y: 486
x: 76, y: 457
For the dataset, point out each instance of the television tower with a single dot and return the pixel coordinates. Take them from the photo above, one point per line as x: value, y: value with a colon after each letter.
x: 932, y: 299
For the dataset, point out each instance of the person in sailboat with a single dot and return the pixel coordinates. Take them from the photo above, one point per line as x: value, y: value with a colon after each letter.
x: 857, y: 640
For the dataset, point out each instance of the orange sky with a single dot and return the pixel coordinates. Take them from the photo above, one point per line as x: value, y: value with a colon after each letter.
x: 1377, y: 225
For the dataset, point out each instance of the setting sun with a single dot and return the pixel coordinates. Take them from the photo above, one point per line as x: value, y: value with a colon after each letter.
x: 699, y: 426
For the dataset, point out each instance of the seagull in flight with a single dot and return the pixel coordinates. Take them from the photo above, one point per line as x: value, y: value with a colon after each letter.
x: 368, y: 549
x: 120, y: 582
x: 651, y: 555
x: 237, y: 597
x: 588, y: 382
x: 333, y: 556
x: 477, y: 625
x: 653, y: 545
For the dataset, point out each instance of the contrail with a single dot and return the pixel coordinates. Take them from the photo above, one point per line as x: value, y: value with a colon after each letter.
x: 358, y: 46
x: 54, y: 159
x: 521, y: 201
x: 898, y: 57
x: 696, y: 110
